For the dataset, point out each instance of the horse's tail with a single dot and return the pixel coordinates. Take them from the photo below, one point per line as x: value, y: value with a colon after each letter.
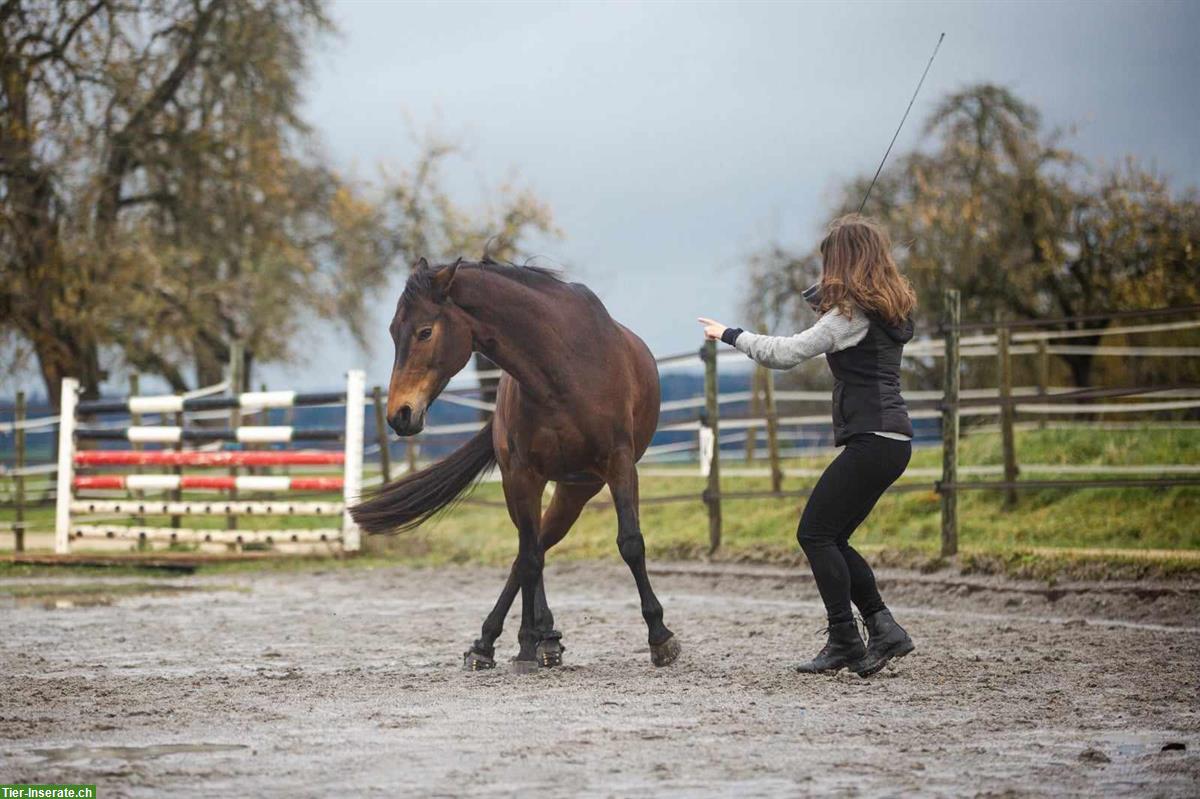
x: 412, y: 500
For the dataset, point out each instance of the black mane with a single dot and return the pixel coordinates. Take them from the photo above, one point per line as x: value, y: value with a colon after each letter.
x: 420, y: 282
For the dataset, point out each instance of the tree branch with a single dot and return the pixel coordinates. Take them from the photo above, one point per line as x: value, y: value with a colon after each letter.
x: 59, y: 48
x: 165, y: 198
x: 120, y: 154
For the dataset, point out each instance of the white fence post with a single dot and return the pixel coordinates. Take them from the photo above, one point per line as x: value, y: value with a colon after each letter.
x: 706, y: 449
x: 66, y: 465
x: 356, y: 387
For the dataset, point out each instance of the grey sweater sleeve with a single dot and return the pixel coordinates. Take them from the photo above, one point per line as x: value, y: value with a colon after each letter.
x: 832, y: 332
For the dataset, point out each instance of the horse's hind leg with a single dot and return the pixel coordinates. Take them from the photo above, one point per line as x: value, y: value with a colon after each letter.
x: 482, y: 654
x: 564, y: 509
x: 623, y: 482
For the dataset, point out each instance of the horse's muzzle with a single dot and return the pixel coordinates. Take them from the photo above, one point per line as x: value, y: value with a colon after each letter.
x: 407, y: 422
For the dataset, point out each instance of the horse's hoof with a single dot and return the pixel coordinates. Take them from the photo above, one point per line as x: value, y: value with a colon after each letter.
x: 664, y: 654
x: 524, y: 666
x: 475, y: 661
x: 549, y: 653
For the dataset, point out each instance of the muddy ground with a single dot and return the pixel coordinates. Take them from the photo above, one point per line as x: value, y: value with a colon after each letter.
x: 298, y: 684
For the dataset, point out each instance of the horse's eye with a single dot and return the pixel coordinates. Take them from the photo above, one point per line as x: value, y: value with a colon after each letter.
x: 424, y: 334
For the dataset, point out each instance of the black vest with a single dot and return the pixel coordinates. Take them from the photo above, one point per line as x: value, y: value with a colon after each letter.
x: 866, y: 387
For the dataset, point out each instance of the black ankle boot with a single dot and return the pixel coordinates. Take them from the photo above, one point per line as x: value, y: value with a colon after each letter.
x: 887, y: 640
x: 844, y: 648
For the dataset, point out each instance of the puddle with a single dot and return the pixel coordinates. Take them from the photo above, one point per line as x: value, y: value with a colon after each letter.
x: 1152, y: 746
x: 71, y: 754
x: 1118, y: 748
x: 62, y: 603
x: 88, y: 595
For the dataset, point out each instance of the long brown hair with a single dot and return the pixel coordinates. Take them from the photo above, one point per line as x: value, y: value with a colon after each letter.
x: 859, y: 270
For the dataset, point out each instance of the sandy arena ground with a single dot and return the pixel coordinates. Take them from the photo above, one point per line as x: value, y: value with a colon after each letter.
x: 297, y: 684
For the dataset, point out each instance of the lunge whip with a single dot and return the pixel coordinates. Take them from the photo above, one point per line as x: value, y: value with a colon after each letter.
x: 901, y: 125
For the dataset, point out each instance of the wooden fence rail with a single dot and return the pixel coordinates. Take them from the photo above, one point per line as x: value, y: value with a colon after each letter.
x: 19, y: 484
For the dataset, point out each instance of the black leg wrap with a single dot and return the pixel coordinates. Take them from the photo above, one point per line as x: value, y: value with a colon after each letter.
x: 549, y: 652
x: 632, y: 548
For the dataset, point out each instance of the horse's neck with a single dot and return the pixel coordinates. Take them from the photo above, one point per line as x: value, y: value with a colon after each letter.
x: 516, y: 326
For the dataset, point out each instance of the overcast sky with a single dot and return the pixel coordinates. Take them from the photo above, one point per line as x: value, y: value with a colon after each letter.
x: 671, y: 139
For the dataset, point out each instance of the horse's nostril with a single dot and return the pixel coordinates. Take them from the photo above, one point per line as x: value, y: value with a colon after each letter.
x: 406, y: 413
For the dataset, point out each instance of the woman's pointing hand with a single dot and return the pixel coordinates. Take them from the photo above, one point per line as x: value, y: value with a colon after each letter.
x: 712, y: 328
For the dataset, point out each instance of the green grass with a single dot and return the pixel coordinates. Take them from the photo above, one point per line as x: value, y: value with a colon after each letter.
x: 764, y: 529
x: 1047, y: 526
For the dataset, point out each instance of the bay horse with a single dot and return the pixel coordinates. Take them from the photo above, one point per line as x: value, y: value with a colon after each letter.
x: 577, y: 405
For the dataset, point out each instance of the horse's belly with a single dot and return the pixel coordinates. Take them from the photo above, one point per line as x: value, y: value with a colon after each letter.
x: 560, y: 451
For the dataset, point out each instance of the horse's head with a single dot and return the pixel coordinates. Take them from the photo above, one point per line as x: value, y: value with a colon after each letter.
x: 433, y: 343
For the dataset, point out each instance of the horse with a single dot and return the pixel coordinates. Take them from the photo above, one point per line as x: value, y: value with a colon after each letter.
x: 577, y: 405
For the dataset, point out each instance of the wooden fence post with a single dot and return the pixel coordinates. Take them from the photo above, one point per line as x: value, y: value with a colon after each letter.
x: 772, y: 430
x: 385, y: 457
x: 756, y: 411
x: 1043, y: 376
x: 1007, y: 412
x: 410, y: 454
x: 19, y: 478
x: 950, y: 320
x: 289, y: 420
x: 264, y: 418
x: 711, y: 418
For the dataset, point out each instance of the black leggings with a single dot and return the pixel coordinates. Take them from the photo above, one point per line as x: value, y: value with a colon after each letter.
x: 839, y: 503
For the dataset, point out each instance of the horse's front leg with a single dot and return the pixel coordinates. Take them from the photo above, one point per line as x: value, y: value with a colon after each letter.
x: 623, y: 482
x: 523, y: 495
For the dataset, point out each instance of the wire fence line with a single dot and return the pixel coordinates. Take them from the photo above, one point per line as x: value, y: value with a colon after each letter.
x: 1106, y: 317
x: 936, y: 348
x: 1047, y: 335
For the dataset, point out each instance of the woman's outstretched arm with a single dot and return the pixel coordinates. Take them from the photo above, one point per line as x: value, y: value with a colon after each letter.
x: 831, y: 333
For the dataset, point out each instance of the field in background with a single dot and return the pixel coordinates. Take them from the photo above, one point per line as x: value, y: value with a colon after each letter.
x: 764, y: 530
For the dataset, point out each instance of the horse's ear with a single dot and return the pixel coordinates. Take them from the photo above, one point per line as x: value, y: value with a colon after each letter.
x: 443, y: 279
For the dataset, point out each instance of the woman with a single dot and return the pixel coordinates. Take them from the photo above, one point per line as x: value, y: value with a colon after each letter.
x: 865, y: 307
